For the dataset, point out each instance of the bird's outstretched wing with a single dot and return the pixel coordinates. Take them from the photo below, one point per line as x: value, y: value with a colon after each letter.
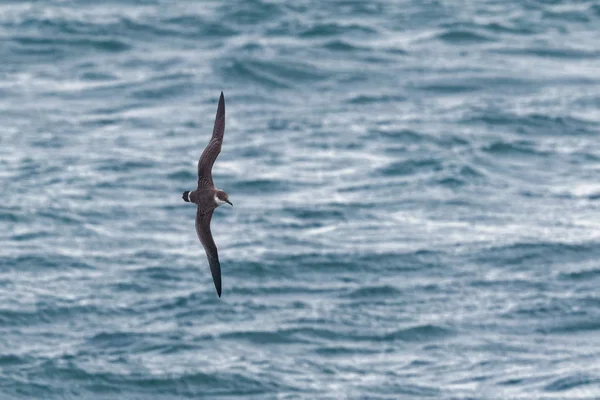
x: 212, y: 150
x: 203, y: 231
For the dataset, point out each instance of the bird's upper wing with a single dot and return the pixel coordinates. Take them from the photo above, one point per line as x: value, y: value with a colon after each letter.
x: 212, y: 150
x: 203, y: 231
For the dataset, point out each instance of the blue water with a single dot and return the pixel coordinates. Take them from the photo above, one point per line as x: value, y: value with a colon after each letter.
x: 416, y: 189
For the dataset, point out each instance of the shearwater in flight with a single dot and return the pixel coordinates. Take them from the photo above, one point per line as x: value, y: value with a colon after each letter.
x: 207, y: 197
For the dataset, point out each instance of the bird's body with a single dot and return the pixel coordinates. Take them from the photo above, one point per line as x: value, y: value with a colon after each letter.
x: 207, y: 197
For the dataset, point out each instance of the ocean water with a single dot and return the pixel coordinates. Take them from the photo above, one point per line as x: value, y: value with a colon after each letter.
x: 416, y: 189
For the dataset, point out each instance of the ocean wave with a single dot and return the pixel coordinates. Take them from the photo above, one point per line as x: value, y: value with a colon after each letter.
x: 414, y: 190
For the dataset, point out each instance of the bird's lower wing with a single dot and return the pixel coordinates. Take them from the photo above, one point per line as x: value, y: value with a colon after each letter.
x: 205, y: 236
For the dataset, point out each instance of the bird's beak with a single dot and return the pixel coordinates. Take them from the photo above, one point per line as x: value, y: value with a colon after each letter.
x: 229, y: 203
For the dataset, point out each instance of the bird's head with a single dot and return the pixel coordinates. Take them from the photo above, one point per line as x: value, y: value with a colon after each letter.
x: 221, y: 198
x: 186, y: 196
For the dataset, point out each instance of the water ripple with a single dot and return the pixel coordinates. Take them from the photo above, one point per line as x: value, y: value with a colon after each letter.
x: 415, y: 198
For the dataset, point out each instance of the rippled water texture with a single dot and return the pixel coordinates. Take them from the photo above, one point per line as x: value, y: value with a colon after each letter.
x: 416, y: 190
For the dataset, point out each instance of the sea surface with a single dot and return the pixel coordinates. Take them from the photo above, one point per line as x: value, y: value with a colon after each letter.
x: 416, y: 188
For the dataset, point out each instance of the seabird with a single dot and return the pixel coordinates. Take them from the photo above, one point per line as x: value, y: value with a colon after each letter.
x: 207, y: 197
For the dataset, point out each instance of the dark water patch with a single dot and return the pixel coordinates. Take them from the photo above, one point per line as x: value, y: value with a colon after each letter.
x: 23, y: 237
x: 275, y: 74
x: 410, y: 137
x: 41, y: 54
x: 11, y: 214
x: 505, y: 84
x: 409, y: 389
x: 191, y: 384
x: 268, y: 156
x: 552, y: 53
x: 251, y: 12
x: 58, y: 372
x: 250, y: 73
x: 394, y: 50
x: 199, y: 27
x: 512, y: 149
x: 456, y: 177
x: 96, y: 76
x: 494, y: 29
x: 52, y: 44
x: 535, y: 124
x: 541, y: 253
x: 183, y: 304
x: 308, y: 215
x: 560, y: 125
x: 463, y: 37
x: 371, y: 99
x: 29, y: 262
x: 448, y: 88
x: 345, y: 351
x: 334, y: 29
x: 155, y: 272
x: 369, y: 292
x: 570, y: 326
x: 300, y: 288
x: 571, y: 382
x: 260, y: 186
x: 28, y: 389
x: 451, y: 182
x: 149, y: 255
x: 59, y: 27
x: 11, y: 360
x: 522, y: 381
x: 515, y: 284
x: 100, y: 122
x: 588, y: 275
x: 250, y: 49
x: 118, y: 165
x: 262, y: 337
x: 265, y: 269
x: 311, y: 334
x: 163, y: 91
x: 324, y: 264
x: 419, y: 333
x: 411, y: 167
x: 137, y: 342
x: 275, y: 124
x: 132, y: 287
x: 514, y: 28
x: 352, y: 8
x: 567, y: 15
x: 468, y: 171
x: 183, y: 175
x: 341, y: 46
x: 140, y: 29
x: 170, y: 67
x: 52, y: 141
x: 45, y: 313
x: 539, y: 308
x: 198, y: 384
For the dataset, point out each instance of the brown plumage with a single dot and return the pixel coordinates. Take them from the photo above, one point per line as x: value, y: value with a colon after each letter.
x: 207, y: 197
